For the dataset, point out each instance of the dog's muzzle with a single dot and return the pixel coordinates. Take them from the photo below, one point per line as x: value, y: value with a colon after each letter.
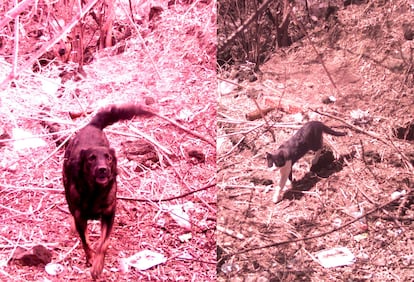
x: 102, y: 175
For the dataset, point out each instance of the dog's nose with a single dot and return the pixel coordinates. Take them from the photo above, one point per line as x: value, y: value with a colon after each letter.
x: 61, y: 51
x: 102, y: 170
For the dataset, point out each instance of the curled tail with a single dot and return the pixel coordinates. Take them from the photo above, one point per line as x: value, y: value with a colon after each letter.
x: 330, y: 131
x: 115, y: 113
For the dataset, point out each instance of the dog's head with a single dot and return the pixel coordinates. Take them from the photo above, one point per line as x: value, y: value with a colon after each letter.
x: 98, y: 165
x: 278, y: 158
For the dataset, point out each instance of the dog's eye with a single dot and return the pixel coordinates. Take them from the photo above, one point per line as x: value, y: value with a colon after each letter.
x: 92, y: 158
x: 108, y: 157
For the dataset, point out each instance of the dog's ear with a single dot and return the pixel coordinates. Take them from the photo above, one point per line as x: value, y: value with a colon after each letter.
x: 112, y: 152
x: 79, y: 166
x: 82, y: 159
x: 82, y: 156
x: 113, y: 155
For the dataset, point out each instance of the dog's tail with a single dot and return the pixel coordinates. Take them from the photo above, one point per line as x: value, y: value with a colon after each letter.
x: 330, y: 131
x: 115, y: 113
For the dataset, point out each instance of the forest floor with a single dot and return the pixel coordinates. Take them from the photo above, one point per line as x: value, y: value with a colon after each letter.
x: 170, y: 65
x: 361, y: 201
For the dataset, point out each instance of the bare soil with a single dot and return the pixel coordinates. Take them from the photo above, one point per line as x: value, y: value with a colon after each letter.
x: 348, y: 202
x: 170, y: 66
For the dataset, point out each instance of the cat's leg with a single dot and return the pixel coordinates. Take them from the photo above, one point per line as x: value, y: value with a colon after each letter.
x: 317, y: 156
x: 285, y: 171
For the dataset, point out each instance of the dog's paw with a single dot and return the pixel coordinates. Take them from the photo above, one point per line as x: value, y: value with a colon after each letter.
x: 90, y: 257
x: 97, y: 267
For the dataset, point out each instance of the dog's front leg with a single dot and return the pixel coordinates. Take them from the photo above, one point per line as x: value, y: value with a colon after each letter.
x: 81, y: 227
x: 107, y: 222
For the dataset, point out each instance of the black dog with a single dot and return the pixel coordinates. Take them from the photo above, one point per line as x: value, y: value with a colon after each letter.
x: 89, y: 177
x: 309, y: 137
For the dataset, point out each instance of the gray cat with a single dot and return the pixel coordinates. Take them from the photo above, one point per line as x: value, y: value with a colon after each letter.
x: 309, y: 137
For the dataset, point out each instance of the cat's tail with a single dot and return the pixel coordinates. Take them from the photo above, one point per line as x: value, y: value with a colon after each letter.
x: 330, y: 131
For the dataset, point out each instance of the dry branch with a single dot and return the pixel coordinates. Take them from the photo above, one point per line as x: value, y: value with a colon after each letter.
x: 351, y: 126
x: 170, y: 198
x: 145, y: 136
x: 241, y: 28
x: 50, y: 43
x: 251, y: 95
x: 230, y: 232
x: 388, y: 142
x: 196, y: 134
x: 131, y: 75
x: 16, y: 45
x: 149, y: 54
x: 259, y: 113
x: 30, y: 245
x: 319, y: 56
x: 10, y: 15
x: 320, y: 234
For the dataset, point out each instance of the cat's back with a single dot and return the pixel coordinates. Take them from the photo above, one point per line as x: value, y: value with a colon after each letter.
x: 309, y: 129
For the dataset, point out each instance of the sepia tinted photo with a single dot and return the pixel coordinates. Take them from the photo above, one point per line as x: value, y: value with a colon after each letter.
x: 314, y: 140
x: 108, y: 140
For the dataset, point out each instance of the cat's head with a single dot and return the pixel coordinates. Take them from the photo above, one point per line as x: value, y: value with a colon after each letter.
x: 278, y: 158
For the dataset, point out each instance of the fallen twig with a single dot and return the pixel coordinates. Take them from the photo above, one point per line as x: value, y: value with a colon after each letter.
x: 405, y: 159
x: 302, y: 27
x: 351, y: 126
x: 51, y: 42
x: 144, y: 43
x: 198, y: 135
x: 230, y: 232
x: 17, y: 10
x: 388, y: 142
x: 240, y: 29
x: 55, y: 150
x: 64, y: 256
x: 167, y: 199
x: 143, y: 135
x: 30, y: 245
x: 252, y: 96
x: 317, y: 235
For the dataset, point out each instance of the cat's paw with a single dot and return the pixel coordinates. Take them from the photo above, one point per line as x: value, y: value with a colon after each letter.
x: 276, y: 195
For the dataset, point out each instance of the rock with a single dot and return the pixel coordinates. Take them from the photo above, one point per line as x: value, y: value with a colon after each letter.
x: 38, y: 255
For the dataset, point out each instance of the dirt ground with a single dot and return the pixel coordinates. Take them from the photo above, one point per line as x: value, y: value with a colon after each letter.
x: 360, y: 82
x: 172, y: 68
x: 354, y: 201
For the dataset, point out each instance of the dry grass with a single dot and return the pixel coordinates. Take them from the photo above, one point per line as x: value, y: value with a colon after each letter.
x: 352, y: 207
x: 176, y: 68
